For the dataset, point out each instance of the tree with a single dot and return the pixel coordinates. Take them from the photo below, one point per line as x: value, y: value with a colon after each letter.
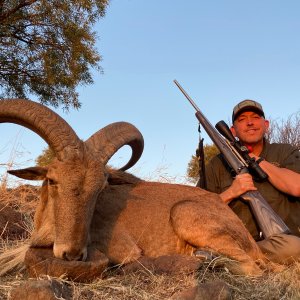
x: 45, y: 157
x: 280, y: 131
x: 47, y: 48
x: 210, y: 150
x: 285, y: 131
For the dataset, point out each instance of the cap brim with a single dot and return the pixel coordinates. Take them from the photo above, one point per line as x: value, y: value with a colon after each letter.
x: 248, y: 108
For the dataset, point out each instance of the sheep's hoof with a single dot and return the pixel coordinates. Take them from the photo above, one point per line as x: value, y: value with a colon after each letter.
x: 204, y: 255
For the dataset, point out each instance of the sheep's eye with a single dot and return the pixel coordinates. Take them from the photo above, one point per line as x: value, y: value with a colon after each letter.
x: 51, y: 182
x: 76, y: 192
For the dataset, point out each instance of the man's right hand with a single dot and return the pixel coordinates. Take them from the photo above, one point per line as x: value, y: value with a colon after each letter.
x: 240, y: 185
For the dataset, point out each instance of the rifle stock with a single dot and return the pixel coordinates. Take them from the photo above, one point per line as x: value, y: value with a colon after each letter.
x: 268, y: 221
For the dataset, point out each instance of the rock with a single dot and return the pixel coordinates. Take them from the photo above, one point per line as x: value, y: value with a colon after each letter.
x: 166, y: 264
x: 218, y: 290
x: 40, y: 261
x: 41, y: 290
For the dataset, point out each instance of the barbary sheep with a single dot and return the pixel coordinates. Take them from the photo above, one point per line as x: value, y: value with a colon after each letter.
x: 84, y: 203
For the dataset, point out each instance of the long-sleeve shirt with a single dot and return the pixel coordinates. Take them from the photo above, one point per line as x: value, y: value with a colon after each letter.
x: 219, y: 177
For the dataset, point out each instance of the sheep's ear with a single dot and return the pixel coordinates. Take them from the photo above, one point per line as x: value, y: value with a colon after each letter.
x: 33, y: 173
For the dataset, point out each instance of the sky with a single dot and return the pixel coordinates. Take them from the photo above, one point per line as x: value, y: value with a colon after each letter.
x: 221, y: 52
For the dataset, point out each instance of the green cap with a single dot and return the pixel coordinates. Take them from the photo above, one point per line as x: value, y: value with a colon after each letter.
x: 247, y: 105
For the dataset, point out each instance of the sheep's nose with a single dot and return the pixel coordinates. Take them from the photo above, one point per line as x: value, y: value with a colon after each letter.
x: 72, y: 257
x: 69, y: 254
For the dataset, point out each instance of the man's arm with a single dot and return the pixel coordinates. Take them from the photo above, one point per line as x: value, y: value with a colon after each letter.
x: 283, y: 179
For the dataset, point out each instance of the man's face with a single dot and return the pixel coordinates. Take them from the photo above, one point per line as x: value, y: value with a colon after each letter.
x: 250, y: 127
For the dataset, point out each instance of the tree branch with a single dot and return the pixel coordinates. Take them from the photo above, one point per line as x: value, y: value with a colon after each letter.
x: 1, y: 6
x: 22, y: 4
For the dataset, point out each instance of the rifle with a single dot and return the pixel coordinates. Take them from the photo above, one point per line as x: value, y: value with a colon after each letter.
x: 238, y: 158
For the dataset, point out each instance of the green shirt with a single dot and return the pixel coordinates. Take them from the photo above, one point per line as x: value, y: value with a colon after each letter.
x: 219, y: 178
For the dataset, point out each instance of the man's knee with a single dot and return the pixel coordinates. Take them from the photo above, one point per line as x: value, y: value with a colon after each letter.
x: 281, y: 248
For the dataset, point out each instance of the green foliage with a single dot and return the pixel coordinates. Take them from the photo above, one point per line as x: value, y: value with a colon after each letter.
x: 45, y: 157
x: 193, y: 166
x: 47, y: 48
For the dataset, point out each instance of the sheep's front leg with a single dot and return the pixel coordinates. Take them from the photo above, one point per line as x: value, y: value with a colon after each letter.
x: 122, y: 248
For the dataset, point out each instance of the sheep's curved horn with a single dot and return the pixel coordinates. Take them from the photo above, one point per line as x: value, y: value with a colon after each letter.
x: 108, y: 140
x: 42, y: 120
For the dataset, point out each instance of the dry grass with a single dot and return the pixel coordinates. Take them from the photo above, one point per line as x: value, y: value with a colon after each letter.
x: 133, y: 286
x: 144, y: 284
x: 22, y: 199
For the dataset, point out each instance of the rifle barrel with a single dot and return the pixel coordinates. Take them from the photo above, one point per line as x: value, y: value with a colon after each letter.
x: 186, y: 95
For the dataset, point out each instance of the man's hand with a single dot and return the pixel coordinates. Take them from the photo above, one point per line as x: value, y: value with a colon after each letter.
x: 240, y: 185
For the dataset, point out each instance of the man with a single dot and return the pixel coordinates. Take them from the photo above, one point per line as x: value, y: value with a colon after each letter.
x: 282, y: 189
